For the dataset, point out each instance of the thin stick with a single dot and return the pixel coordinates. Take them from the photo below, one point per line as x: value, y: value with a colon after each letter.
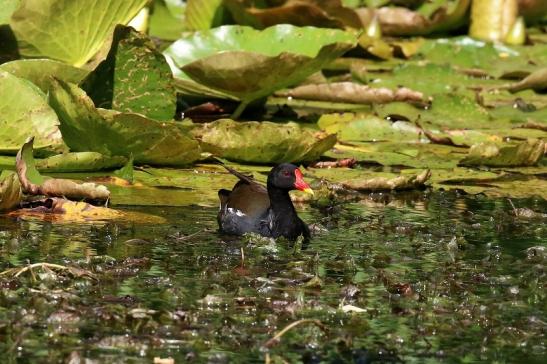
x: 274, y: 340
x: 42, y: 265
x: 31, y: 266
x: 513, y: 206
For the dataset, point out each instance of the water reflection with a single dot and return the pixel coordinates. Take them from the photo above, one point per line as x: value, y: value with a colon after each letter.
x: 437, y: 276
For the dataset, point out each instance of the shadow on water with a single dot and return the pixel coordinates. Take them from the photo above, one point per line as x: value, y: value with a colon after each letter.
x: 416, y: 277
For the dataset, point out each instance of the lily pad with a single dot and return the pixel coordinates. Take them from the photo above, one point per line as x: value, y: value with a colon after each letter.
x: 403, y: 182
x: 250, y: 64
x: 133, y: 78
x: 23, y: 112
x: 527, y: 153
x: 69, y: 30
x: 201, y: 15
x: 492, y: 20
x: 537, y: 80
x: 79, y: 162
x: 10, y: 192
x: 34, y: 184
x: 366, y: 127
x: 8, y: 7
x: 262, y: 142
x: 415, y: 155
x: 167, y: 19
x: 403, y: 21
x: 40, y: 71
x: 112, y: 133
x: 319, y: 13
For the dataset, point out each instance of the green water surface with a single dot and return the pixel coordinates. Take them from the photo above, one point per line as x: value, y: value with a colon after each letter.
x: 435, y: 277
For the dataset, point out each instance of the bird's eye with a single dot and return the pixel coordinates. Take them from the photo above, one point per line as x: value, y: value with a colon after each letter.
x: 286, y: 173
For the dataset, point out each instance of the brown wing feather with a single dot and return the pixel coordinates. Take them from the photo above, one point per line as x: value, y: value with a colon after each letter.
x: 248, y: 195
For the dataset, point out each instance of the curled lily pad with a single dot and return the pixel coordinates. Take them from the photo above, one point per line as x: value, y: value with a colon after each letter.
x: 262, y: 142
x: 536, y: 80
x: 23, y: 112
x: 320, y: 13
x: 250, y: 64
x: 69, y: 30
x: 527, y: 153
x: 33, y: 183
x: 112, y: 133
x: 10, y: 192
x: 403, y: 21
x: 492, y: 19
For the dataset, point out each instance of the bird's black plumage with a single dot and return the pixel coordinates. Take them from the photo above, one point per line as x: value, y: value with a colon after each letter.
x: 268, y: 211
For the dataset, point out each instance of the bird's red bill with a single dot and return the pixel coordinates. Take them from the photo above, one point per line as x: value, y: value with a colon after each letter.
x: 300, y: 184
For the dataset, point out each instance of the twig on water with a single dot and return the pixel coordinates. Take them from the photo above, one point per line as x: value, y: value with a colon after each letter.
x: 275, y: 340
x: 18, y: 271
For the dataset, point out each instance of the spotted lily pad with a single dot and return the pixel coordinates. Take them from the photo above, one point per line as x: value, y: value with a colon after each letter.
x: 133, y: 78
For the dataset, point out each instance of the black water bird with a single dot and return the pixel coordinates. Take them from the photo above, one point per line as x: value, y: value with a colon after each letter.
x: 268, y: 211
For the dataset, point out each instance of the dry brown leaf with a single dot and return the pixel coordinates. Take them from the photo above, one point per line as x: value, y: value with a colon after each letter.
x: 351, y: 92
x: 53, y: 187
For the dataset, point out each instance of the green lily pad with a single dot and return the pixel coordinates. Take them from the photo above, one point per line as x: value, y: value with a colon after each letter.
x: 415, y: 155
x: 8, y: 7
x: 24, y: 112
x: 527, y: 153
x: 262, y: 142
x: 203, y: 14
x: 167, y: 19
x: 112, y: 133
x: 69, y: 30
x: 40, y: 71
x: 366, y: 127
x: 494, y: 59
x: 491, y: 183
x: 133, y: 78
x: 79, y: 162
x: 250, y: 64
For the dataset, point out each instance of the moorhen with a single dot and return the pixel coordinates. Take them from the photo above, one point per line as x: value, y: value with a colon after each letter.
x: 251, y: 207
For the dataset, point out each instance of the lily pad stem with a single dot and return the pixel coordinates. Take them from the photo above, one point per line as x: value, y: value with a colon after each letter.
x: 239, y: 110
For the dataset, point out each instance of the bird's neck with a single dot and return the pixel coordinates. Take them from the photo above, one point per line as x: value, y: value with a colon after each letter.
x: 281, y: 204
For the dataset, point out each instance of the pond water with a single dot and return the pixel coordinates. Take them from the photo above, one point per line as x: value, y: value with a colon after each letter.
x: 418, y: 277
